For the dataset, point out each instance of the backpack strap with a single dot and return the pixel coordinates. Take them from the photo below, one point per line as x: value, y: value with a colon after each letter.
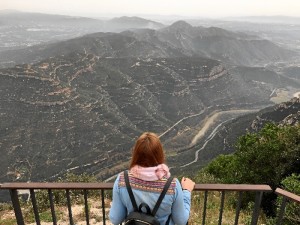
x: 130, y: 191
x: 162, y: 195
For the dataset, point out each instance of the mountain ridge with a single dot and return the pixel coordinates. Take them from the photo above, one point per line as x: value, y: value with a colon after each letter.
x: 93, y: 108
x: 226, y: 136
x: 78, y: 105
x: 179, y: 39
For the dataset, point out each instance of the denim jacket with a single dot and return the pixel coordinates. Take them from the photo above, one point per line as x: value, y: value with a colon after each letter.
x: 176, y: 204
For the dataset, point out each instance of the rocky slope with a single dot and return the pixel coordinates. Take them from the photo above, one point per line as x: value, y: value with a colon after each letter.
x: 231, y: 47
x: 81, y: 112
x: 78, y: 105
x: 286, y: 113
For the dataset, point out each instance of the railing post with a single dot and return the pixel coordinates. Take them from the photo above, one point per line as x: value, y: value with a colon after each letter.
x: 204, y: 207
x: 16, y: 205
x: 238, y: 209
x: 35, y: 209
x: 103, y: 207
x: 221, y: 207
x: 52, y: 206
x: 86, y: 207
x: 69, y: 206
x: 282, y: 208
x: 256, y: 209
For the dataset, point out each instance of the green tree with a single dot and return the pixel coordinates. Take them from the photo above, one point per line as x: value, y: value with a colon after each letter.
x: 223, y: 168
x: 292, y: 211
x: 265, y: 157
x: 269, y: 155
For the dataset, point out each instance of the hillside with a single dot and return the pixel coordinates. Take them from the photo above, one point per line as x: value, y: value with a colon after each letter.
x: 23, y: 30
x: 80, y: 112
x: 77, y: 105
x: 177, y: 40
x: 224, y: 141
x: 231, y: 47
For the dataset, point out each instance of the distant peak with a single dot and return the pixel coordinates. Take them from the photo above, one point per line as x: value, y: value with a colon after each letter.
x: 128, y: 18
x: 181, y: 24
x: 137, y: 22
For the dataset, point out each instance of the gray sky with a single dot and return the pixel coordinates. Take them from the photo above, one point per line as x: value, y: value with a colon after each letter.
x: 201, y: 8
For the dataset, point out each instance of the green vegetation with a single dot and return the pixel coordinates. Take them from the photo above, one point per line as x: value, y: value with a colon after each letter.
x: 8, y: 221
x: 266, y: 157
x: 271, y: 156
x: 292, y: 213
x: 213, y: 205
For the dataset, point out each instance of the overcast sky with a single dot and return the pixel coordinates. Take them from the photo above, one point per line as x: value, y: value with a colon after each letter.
x: 199, y: 8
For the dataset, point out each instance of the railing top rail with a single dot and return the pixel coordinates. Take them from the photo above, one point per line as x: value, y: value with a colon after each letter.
x: 287, y: 194
x: 198, y: 187
x: 233, y: 187
x: 46, y: 185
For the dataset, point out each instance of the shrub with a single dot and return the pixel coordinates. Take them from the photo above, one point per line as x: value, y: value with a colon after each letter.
x: 292, y: 211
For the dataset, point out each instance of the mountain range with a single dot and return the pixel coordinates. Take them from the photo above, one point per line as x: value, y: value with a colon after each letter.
x: 20, y: 30
x: 177, y: 40
x: 78, y: 105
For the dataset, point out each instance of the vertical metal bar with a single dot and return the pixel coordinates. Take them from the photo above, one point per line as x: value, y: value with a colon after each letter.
x: 86, y: 207
x: 16, y: 205
x: 238, y: 208
x: 204, y: 208
x: 221, y: 207
x: 103, y: 207
x: 282, y: 209
x: 69, y: 206
x: 52, y: 206
x: 35, y: 208
x: 256, y: 209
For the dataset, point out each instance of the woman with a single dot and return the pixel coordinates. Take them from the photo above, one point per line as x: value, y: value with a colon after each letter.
x: 148, y: 175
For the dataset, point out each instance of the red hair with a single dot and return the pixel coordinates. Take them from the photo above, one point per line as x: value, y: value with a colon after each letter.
x: 147, y: 151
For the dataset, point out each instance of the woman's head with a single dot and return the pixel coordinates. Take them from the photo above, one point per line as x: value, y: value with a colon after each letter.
x: 147, y: 151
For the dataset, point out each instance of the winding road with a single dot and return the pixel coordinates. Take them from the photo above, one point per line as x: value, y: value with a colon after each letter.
x: 207, y: 125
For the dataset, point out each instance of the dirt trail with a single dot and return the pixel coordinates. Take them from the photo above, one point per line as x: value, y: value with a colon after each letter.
x: 211, y: 120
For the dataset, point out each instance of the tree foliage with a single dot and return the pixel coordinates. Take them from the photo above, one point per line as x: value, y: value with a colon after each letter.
x: 292, y: 212
x: 266, y: 157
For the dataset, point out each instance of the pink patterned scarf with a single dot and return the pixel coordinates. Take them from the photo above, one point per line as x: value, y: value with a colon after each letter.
x: 150, y: 173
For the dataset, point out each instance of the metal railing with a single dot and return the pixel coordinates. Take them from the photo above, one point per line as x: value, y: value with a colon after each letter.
x: 200, y: 190
x: 286, y: 196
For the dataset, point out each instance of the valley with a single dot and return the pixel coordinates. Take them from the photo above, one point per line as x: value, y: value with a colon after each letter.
x: 77, y: 103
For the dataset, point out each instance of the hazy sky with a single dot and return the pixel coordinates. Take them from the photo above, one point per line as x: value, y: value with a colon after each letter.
x: 201, y: 8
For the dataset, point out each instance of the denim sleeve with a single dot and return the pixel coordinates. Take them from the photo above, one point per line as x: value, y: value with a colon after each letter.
x: 118, y: 210
x: 182, y: 205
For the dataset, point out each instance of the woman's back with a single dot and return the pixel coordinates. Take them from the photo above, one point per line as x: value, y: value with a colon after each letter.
x: 175, y: 202
x: 147, y: 175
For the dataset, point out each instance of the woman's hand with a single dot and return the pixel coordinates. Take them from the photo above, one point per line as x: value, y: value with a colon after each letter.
x: 187, y: 184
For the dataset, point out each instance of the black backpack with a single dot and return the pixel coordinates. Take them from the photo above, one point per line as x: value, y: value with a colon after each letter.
x: 138, y: 217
